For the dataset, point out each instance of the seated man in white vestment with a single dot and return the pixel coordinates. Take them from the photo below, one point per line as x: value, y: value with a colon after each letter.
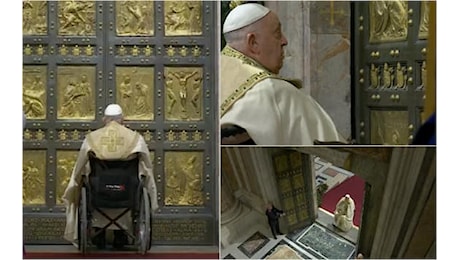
x: 130, y: 145
x: 344, y: 213
x: 256, y: 103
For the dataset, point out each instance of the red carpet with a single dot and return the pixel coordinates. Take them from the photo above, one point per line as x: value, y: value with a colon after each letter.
x: 353, y: 186
x: 63, y: 255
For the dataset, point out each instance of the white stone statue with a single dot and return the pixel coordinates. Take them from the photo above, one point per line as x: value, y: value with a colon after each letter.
x: 344, y: 213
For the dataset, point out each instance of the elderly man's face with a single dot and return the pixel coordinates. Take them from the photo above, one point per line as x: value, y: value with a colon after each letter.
x: 271, y: 41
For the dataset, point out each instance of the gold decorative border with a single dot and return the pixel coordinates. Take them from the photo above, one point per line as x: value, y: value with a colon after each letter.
x: 242, y: 89
x: 230, y: 52
x: 250, y: 82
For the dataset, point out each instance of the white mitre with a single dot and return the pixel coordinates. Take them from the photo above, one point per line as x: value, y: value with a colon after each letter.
x: 113, y: 110
x: 244, y: 15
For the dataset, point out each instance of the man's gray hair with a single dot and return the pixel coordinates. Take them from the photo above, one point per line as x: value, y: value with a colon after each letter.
x: 235, y: 39
x: 117, y: 118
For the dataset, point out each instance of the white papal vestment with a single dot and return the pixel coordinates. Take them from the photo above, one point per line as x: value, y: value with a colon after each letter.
x: 112, y: 142
x: 271, y: 109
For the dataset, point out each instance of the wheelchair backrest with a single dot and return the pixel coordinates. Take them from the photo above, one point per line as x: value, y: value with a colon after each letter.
x: 113, y: 183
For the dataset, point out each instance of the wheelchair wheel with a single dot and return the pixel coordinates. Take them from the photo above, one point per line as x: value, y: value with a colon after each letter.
x: 145, y: 228
x: 83, y: 223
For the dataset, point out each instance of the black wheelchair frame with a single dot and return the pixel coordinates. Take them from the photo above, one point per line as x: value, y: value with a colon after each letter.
x: 92, y: 198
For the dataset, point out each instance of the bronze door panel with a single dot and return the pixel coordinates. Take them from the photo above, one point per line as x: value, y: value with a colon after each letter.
x: 389, y: 65
x: 295, y: 188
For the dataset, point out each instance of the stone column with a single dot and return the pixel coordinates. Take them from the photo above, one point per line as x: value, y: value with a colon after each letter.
x: 400, y: 198
x: 230, y: 207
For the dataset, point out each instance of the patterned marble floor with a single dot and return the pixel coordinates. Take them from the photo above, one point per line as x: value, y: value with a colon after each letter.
x: 258, y: 243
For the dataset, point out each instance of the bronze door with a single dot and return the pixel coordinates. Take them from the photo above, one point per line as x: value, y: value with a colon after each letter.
x: 389, y: 70
x: 155, y: 59
x: 295, y: 188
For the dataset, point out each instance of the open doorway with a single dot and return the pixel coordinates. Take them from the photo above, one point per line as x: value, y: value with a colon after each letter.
x: 290, y: 180
x: 394, y: 190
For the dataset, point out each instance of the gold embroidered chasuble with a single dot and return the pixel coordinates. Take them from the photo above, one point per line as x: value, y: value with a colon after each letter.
x: 273, y: 110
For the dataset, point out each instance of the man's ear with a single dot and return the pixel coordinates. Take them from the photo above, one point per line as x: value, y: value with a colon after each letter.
x: 252, y: 43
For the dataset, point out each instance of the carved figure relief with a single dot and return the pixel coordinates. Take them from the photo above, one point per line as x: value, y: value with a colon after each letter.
x: 34, y: 17
x: 374, y: 76
x: 183, y: 175
x: 34, y: 92
x: 65, y: 163
x: 424, y: 20
x: 196, y: 98
x: 401, y: 76
x: 33, y: 177
x: 76, y: 17
x: 388, y: 21
x: 388, y: 76
x: 183, y: 18
x: 135, y: 18
x: 135, y: 92
x: 183, y: 99
x: 389, y: 127
x: 76, y: 86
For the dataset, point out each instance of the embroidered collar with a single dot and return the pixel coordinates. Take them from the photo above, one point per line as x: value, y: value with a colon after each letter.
x: 231, y: 52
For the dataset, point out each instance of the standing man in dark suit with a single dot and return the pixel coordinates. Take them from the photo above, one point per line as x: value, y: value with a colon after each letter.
x: 273, y: 215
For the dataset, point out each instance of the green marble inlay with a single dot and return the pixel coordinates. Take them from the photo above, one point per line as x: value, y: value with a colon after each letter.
x: 323, y: 243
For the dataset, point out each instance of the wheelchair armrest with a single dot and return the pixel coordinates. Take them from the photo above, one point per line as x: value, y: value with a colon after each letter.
x: 235, y: 135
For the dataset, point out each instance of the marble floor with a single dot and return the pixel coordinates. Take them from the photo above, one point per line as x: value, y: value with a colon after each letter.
x: 291, y: 245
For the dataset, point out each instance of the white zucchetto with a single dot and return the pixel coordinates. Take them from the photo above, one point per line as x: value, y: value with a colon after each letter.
x: 113, y: 110
x: 244, y: 15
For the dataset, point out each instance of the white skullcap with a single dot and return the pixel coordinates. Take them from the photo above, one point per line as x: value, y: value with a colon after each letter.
x: 113, y: 110
x: 244, y: 15
x: 347, y: 196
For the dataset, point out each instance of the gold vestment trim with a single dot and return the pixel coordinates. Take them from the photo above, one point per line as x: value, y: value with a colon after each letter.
x: 248, y: 84
x: 251, y: 81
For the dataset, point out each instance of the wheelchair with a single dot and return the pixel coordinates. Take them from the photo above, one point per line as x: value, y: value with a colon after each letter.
x: 115, y: 184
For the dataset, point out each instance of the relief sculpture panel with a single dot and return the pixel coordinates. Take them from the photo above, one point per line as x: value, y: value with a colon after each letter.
x: 34, y: 17
x: 65, y: 162
x: 134, y: 18
x: 387, y: 76
x: 76, y: 87
x: 135, y: 92
x: 33, y: 177
x: 34, y: 91
x: 388, y: 21
x: 183, y: 98
x: 77, y: 18
x: 389, y: 127
x: 183, y: 18
x: 424, y: 20
x: 184, y: 175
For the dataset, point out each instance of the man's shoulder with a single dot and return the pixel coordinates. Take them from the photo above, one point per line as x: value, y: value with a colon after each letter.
x: 113, y: 126
x: 276, y: 81
x: 276, y: 86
